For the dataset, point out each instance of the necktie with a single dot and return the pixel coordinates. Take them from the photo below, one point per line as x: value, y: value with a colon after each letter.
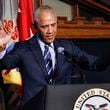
x: 48, y: 60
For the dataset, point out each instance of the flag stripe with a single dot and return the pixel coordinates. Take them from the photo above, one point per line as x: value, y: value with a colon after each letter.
x: 25, y: 18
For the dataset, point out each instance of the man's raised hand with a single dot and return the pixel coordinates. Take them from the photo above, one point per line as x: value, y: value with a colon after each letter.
x: 4, y: 37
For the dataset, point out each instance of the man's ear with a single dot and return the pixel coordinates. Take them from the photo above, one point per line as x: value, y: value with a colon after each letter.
x: 35, y: 25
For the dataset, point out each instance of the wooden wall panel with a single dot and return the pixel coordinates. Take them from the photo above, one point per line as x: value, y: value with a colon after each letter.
x: 80, y: 28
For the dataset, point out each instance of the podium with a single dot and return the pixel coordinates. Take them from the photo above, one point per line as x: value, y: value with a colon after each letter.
x: 64, y: 97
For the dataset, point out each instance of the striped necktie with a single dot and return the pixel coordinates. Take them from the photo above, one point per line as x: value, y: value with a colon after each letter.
x: 48, y: 60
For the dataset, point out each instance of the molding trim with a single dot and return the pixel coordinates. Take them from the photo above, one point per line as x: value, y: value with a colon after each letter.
x: 81, y: 28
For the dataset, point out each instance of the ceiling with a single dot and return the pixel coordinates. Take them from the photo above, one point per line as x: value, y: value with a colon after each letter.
x: 101, y: 5
x: 103, y: 2
x: 107, y: 2
x: 100, y: 8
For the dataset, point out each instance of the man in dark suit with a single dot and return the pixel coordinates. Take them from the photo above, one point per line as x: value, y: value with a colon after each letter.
x: 30, y: 56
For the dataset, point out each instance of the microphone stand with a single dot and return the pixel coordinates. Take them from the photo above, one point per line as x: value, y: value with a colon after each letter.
x: 81, y: 75
x: 73, y: 61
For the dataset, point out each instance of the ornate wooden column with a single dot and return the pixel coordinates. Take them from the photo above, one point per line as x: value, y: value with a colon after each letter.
x: 38, y: 3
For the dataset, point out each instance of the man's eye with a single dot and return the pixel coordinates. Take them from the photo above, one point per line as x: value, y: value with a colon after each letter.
x: 53, y: 25
x: 44, y: 27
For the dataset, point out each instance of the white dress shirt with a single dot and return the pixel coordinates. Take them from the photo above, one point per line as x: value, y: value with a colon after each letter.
x: 51, y: 49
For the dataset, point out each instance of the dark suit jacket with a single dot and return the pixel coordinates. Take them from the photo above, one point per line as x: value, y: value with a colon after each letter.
x: 28, y: 57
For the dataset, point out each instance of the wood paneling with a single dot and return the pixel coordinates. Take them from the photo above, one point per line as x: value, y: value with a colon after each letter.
x: 81, y: 28
x: 38, y: 3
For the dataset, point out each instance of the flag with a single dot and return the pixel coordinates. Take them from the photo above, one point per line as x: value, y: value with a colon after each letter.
x: 1, y: 9
x: 9, y: 18
x: 25, y: 19
x: 17, y: 18
x: 9, y: 9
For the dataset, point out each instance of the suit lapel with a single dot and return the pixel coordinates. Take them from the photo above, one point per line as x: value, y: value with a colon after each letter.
x: 59, y: 58
x: 36, y: 50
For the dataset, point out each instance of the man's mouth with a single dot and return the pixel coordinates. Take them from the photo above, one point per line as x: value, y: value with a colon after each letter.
x: 49, y: 36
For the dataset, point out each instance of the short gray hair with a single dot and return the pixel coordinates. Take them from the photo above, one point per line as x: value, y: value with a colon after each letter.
x: 42, y: 8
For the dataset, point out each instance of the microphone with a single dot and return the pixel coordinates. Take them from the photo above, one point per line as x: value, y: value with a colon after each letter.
x: 74, y: 61
x: 68, y: 56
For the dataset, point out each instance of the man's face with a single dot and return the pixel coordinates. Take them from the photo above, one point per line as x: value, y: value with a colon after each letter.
x: 47, y: 26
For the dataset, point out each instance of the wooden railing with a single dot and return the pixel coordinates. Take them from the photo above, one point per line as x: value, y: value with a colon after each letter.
x: 81, y: 28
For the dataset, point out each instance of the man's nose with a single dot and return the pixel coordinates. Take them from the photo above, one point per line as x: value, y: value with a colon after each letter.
x: 49, y: 30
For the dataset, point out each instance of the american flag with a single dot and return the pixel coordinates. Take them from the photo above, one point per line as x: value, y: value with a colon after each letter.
x: 11, y: 11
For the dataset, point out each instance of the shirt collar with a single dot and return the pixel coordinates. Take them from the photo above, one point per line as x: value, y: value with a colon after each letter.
x: 42, y: 44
